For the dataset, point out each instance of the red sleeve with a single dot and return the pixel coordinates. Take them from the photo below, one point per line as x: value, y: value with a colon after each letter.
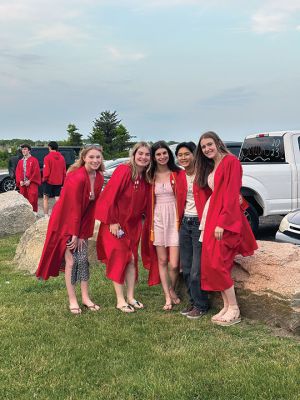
x: 107, y: 204
x: 19, y: 171
x: 73, y: 200
x: 34, y: 173
x: 229, y: 217
x: 46, y: 169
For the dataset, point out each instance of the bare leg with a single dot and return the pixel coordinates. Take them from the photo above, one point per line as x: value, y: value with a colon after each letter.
x: 86, y: 298
x: 232, y: 315
x: 130, y: 283
x: 224, y: 309
x: 173, y: 272
x: 56, y: 198
x: 121, y: 302
x: 46, y: 204
x: 162, y: 256
x: 73, y: 303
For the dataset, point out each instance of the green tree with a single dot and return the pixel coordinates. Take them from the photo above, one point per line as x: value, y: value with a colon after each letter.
x: 111, y: 135
x: 75, y: 138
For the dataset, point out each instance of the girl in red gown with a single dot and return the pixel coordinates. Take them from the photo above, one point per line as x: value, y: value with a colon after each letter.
x: 160, y: 244
x: 120, y: 209
x: 225, y: 230
x: 71, y: 224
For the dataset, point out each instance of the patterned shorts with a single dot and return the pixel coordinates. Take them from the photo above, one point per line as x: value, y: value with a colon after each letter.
x: 80, y: 270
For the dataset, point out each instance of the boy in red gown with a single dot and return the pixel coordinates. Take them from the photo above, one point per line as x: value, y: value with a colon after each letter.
x: 28, y: 176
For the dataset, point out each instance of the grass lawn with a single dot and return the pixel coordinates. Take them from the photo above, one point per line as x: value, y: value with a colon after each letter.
x: 47, y: 353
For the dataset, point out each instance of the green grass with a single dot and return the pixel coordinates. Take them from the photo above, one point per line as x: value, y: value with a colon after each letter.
x: 47, y: 353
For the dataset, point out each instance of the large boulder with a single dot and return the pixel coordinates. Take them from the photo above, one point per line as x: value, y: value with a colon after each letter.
x: 268, y: 285
x: 30, y: 247
x: 16, y: 213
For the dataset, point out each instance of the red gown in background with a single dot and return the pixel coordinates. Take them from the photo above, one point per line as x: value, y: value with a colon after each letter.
x: 149, y: 256
x: 33, y: 174
x: 72, y: 214
x: 226, y: 212
x: 122, y: 201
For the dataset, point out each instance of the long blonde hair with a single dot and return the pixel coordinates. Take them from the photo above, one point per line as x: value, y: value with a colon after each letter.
x: 132, y: 164
x: 80, y: 161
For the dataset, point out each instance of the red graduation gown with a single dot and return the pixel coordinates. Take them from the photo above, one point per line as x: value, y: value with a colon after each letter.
x: 226, y: 212
x: 122, y: 201
x: 73, y: 214
x: 149, y: 256
x: 33, y: 174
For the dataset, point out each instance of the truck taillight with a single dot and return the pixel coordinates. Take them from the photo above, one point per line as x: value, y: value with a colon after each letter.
x: 262, y: 135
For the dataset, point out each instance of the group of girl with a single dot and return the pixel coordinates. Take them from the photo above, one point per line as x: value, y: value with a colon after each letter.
x: 188, y: 218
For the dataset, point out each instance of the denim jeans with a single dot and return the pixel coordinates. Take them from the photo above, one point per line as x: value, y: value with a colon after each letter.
x: 190, y: 260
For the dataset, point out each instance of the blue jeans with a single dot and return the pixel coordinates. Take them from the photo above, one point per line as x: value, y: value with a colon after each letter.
x: 190, y: 260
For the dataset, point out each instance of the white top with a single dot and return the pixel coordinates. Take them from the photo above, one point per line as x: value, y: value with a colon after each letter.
x: 190, y: 207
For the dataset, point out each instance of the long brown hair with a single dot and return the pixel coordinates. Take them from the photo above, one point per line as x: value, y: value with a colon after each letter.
x: 132, y: 164
x: 204, y: 165
x: 80, y: 161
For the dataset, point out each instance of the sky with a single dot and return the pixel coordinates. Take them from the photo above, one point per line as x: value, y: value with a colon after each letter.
x: 172, y: 69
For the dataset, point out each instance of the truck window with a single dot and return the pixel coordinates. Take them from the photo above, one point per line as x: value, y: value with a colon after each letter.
x: 263, y: 149
x: 299, y: 143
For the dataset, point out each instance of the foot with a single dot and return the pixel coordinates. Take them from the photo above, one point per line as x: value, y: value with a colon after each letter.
x: 126, y: 308
x: 175, y: 299
x: 186, y: 310
x: 231, y: 317
x: 216, y: 317
x: 92, y: 307
x: 136, y: 304
x: 195, y: 313
x: 168, y: 307
x: 75, y: 310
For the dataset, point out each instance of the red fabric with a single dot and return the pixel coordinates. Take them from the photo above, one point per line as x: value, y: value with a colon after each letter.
x: 72, y: 214
x: 122, y: 201
x: 31, y: 193
x: 33, y: 173
x: 226, y: 212
x: 149, y: 256
x: 54, y: 170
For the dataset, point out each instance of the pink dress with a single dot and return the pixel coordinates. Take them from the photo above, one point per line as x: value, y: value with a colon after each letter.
x: 165, y: 229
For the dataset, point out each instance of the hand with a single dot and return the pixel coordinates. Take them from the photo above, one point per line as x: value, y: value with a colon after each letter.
x: 219, y: 232
x: 81, y: 244
x: 113, y: 228
x: 27, y: 183
x: 21, y: 183
x: 72, y: 244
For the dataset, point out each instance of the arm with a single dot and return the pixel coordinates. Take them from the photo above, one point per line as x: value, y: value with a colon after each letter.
x: 46, y: 169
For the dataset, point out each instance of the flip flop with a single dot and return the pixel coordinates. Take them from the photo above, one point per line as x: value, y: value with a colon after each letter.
x: 128, y: 309
x: 136, y: 304
x: 228, y: 323
x: 93, y: 307
x: 75, y: 310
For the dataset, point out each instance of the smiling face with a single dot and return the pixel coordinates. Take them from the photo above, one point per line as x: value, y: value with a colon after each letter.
x: 161, y: 156
x: 25, y: 151
x: 185, y: 158
x: 142, y: 157
x: 209, y: 148
x: 92, y: 160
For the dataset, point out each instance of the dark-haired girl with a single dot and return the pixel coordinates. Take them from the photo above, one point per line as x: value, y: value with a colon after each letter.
x: 160, y: 239
x: 225, y: 230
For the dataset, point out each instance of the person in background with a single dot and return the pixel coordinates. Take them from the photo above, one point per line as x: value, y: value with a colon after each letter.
x: 120, y: 209
x: 189, y: 245
x: 54, y: 172
x: 160, y: 244
x: 13, y: 162
x: 28, y: 176
x: 71, y: 223
x: 225, y: 230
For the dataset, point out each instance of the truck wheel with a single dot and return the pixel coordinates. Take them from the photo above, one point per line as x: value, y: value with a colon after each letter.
x: 253, y: 218
x: 7, y: 184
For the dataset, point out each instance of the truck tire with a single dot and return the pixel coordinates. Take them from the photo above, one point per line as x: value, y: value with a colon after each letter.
x: 7, y: 184
x: 253, y: 218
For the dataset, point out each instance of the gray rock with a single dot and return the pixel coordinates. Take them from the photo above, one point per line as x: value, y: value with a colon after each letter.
x: 16, y: 213
x: 30, y: 247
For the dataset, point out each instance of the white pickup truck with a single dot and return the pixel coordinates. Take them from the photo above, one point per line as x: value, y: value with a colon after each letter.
x: 271, y: 173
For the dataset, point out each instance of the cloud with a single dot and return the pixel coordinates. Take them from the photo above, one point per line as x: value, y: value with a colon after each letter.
x: 121, y: 55
x: 275, y: 16
x: 60, y: 32
x: 236, y: 96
